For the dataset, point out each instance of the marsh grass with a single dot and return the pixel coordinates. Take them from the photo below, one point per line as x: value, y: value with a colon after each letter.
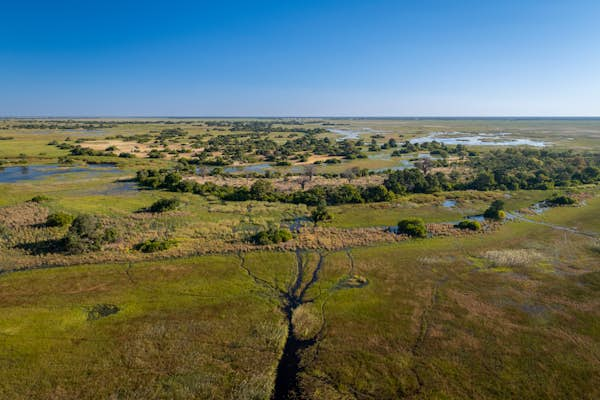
x: 513, y: 257
x: 397, y: 318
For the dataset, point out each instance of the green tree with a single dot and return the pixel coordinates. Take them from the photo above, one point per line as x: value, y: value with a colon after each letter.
x: 320, y: 213
x: 262, y: 190
x: 495, y: 210
x: 84, y: 234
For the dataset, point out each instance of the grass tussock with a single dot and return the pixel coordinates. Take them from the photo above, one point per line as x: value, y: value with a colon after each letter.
x: 307, y: 321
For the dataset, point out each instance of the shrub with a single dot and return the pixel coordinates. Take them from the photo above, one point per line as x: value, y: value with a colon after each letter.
x: 495, y: 210
x: 59, y: 219
x: 101, y: 310
x: 469, y: 224
x: 414, y: 227
x: 85, y: 234
x: 560, y: 200
x: 272, y: 236
x: 320, y: 213
x: 163, y: 205
x: 40, y: 198
x: 154, y: 245
x: 5, y: 233
x: 155, y: 154
x: 262, y: 190
x: 110, y: 235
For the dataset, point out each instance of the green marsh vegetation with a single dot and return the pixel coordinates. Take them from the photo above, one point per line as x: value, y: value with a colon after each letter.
x: 440, y: 310
x: 227, y: 289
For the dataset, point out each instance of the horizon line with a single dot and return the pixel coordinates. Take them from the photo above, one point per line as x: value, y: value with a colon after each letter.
x: 302, y: 116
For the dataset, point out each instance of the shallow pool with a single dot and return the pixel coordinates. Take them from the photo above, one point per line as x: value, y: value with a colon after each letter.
x: 21, y: 173
x: 479, y: 139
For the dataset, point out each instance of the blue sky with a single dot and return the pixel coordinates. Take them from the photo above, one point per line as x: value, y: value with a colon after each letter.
x: 300, y: 58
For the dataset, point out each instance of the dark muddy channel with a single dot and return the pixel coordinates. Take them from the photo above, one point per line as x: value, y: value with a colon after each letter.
x: 286, y: 382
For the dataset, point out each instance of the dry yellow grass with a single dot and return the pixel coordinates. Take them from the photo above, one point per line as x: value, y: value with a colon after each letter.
x: 513, y: 257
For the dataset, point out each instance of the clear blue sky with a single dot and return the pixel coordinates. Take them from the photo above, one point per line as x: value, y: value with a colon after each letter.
x: 300, y: 58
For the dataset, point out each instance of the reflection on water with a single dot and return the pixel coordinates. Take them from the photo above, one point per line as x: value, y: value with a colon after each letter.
x: 403, y: 164
x: 352, y: 133
x: 258, y: 168
x: 449, y: 203
x: 479, y: 139
x: 15, y: 174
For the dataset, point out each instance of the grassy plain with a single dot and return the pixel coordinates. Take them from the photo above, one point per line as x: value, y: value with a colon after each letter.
x: 509, y: 313
x: 439, y: 318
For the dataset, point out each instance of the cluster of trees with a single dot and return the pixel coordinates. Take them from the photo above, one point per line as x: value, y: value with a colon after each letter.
x: 433, y: 147
x: 272, y: 236
x: 525, y: 168
x: 170, y: 133
x: 263, y: 190
x: 139, y: 138
x: 85, y: 234
x: 495, y: 210
x: 67, y: 124
x: 560, y: 200
x: 251, y: 147
x: 414, y: 180
x: 78, y: 150
x: 509, y: 169
x: 154, y: 245
x: 263, y: 126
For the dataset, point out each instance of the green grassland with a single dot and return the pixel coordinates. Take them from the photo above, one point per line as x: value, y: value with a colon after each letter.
x: 439, y: 318
x: 508, y: 313
x: 31, y: 145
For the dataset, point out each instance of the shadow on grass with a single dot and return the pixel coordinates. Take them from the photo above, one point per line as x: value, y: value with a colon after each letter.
x: 43, y: 247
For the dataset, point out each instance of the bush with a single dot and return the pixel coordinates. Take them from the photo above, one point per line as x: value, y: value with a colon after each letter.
x: 272, y: 236
x: 495, y: 210
x: 560, y: 200
x: 320, y: 213
x: 85, y: 234
x: 40, y: 198
x: 414, y: 227
x: 469, y: 224
x: 154, y: 245
x: 59, y: 219
x: 155, y: 154
x: 110, y: 235
x: 163, y: 205
x: 102, y: 310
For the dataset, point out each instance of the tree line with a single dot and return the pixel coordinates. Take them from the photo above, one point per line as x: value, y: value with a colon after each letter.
x: 508, y: 169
